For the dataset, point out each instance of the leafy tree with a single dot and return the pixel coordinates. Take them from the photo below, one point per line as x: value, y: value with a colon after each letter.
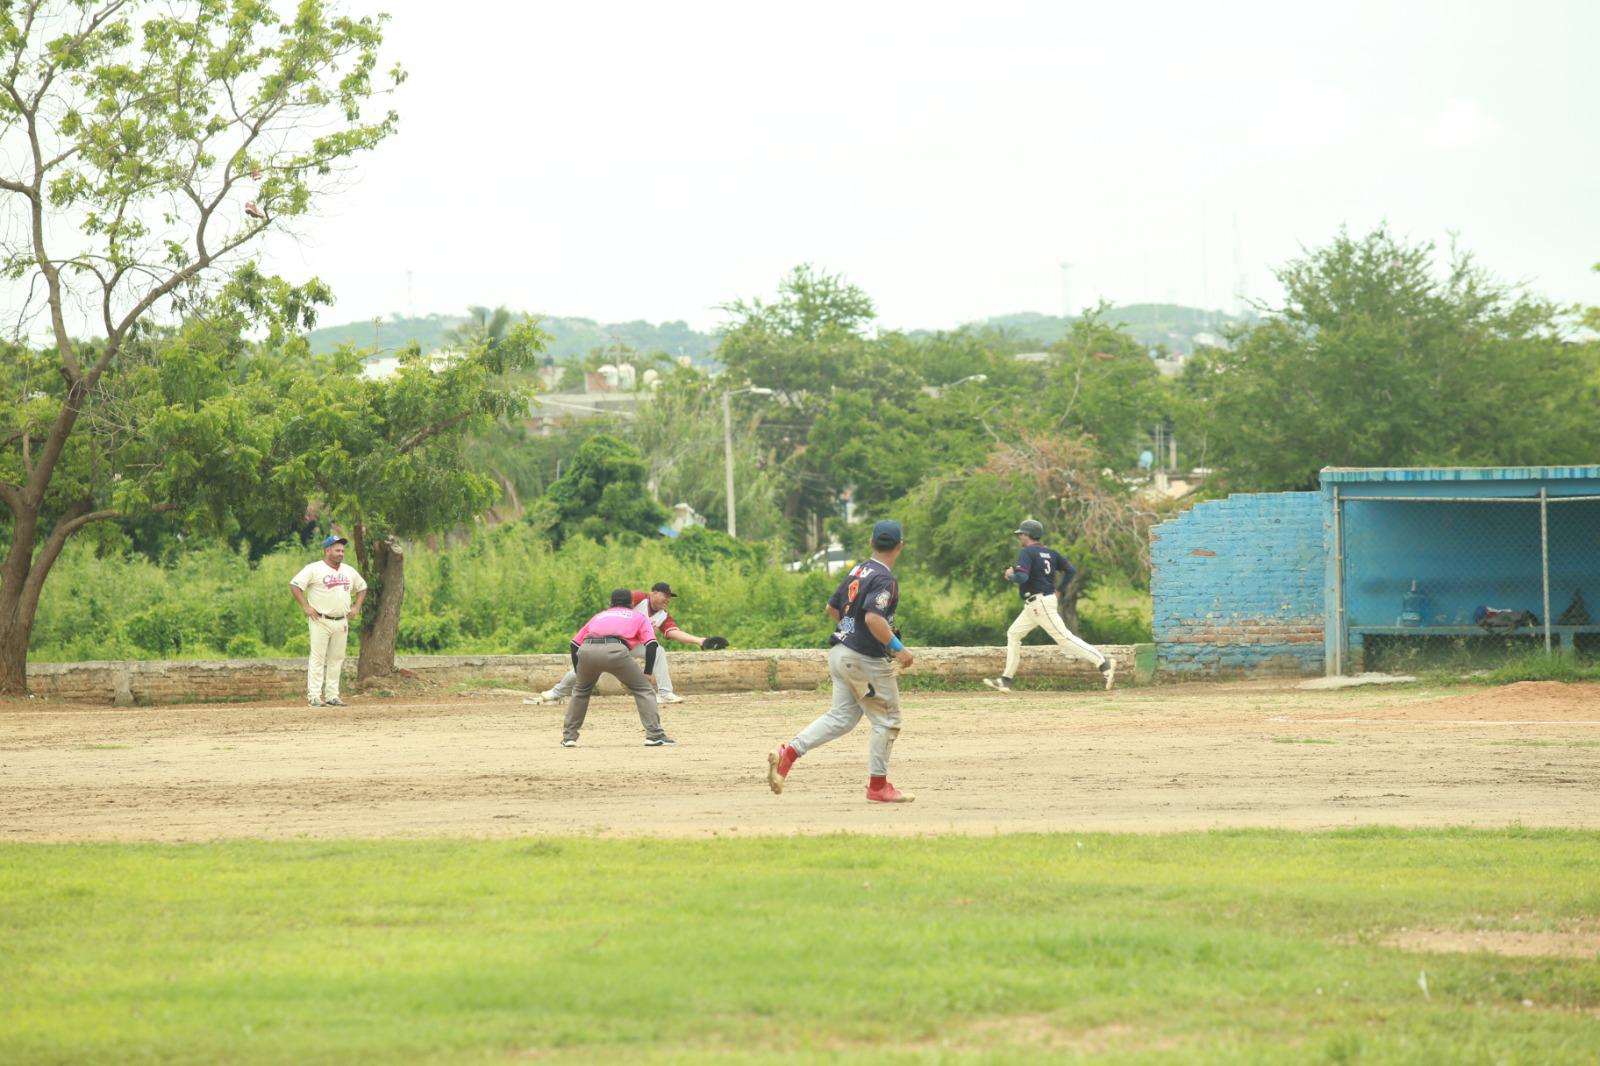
x: 1373, y: 360
x: 384, y: 457
x: 1590, y: 316
x: 680, y: 432
x: 145, y: 147
x: 1106, y: 386
x: 604, y: 493
x: 962, y: 520
x: 809, y: 344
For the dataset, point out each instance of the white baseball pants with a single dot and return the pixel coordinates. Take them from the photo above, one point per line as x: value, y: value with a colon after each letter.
x: 328, y: 641
x: 1040, y: 612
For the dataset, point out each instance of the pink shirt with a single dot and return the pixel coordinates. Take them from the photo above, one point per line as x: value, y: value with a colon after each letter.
x: 622, y: 622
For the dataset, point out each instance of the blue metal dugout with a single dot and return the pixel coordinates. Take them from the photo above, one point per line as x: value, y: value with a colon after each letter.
x: 1435, y: 552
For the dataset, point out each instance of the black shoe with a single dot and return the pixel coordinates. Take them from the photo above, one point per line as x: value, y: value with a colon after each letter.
x: 999, y: 684
x: 570, y: 743
x: 657, y: 742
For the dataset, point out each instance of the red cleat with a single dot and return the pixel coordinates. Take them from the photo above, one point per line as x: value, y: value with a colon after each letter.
x: 779, y: 760
x: 252, y: 210
x: 887, y: 793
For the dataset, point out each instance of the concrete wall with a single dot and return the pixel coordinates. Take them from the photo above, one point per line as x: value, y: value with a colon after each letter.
x: 1238, y: 586
x: 202, y: 681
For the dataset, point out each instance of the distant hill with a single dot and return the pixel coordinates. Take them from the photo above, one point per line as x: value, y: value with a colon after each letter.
x: 1169, y: 326
x: 571, y: 336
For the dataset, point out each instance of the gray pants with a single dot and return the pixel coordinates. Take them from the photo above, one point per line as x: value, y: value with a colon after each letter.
x: 609, y: 657
x: 861, y: 685
x: 564, y: 687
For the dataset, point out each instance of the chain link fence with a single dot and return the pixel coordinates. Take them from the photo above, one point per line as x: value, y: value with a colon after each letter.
x: 1459, y: 581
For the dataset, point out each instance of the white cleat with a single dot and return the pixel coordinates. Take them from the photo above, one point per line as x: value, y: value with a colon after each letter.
x: 548, y: 696
x: 668, y: 697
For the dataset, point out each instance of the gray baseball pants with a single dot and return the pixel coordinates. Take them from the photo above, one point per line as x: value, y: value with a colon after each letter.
x: 861, y: 685
x: 610, y: 657
x: 563, y: 688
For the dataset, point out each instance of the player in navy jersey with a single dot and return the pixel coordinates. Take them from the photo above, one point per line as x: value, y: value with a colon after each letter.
x: 861, y: 663
x: 1037, y: 573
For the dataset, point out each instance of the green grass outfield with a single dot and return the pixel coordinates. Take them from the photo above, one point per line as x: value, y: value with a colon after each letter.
x: 1257, y: 946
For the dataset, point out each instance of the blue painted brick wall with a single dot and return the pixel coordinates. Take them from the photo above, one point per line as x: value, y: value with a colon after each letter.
x: 1238, y: 586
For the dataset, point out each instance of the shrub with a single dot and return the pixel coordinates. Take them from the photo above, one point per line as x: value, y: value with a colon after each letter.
x: 245, y: 646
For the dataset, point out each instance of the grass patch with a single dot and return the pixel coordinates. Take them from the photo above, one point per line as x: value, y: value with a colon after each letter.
x: 1541, y: 666
x: 1255, y: 946
x: 102, y: 747
x: 1300, y: 740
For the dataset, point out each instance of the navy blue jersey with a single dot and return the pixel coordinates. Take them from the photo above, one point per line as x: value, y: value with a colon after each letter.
x: 869, y: 588
x: 1038, y: 568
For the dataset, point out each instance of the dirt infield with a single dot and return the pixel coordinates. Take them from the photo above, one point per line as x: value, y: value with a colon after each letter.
x: 1158, y: 758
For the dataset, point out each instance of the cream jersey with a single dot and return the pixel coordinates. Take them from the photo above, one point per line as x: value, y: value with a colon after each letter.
x: 329, y: 590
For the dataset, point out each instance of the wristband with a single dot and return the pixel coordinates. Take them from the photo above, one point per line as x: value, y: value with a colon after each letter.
x: 896, y: 645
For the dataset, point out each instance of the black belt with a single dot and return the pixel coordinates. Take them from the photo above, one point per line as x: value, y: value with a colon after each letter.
x: 605, y: 640
x: 1029, y: 597
x: 331, y: 617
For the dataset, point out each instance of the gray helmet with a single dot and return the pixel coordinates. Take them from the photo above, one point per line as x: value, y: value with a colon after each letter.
x: 1030, y: 528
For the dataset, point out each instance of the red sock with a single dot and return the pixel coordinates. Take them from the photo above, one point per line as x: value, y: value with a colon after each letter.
x: 878, y: 781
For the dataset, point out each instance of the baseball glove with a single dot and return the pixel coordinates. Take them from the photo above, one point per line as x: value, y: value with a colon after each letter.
x: 714, y: 643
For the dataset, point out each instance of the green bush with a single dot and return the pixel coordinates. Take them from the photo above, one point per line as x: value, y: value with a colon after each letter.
x: 428, y: 632
x: 507, y: 590
x: 245, y: 646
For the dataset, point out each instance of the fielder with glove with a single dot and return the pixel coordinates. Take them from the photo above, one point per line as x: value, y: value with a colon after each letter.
x: 653, y: 605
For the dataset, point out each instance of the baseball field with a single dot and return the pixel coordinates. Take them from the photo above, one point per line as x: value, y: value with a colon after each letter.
x: 1181, y: 873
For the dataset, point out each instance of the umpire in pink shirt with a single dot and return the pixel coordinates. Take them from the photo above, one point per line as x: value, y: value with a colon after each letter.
x: 603, y: 646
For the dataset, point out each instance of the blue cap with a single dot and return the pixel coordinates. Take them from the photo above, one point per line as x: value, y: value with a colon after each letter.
x: 886, y: 534
x: 331, y: 540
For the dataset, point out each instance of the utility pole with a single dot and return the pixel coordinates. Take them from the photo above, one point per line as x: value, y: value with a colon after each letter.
x: 727, y: 454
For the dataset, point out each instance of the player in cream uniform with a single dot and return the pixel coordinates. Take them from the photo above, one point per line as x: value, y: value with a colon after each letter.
x: 324, y: 589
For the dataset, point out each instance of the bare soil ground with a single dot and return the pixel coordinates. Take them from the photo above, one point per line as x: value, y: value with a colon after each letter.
x: 1147, y: 759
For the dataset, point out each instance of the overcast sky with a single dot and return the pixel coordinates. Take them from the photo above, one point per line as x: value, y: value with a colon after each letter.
x: 649, y: 160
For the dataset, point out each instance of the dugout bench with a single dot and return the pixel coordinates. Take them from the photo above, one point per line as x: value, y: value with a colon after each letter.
x: 1564, y: 640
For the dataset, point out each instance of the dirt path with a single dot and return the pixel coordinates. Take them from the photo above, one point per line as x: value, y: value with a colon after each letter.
x: 1169, y: 757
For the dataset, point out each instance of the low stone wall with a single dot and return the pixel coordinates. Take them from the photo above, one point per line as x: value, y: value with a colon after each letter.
x: 203, y: 680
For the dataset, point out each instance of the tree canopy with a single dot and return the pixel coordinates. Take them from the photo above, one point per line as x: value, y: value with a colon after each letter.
x: 144, y: 148
x: 1376, y: 359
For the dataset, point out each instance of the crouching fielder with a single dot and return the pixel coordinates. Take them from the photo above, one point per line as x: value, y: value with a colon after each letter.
x: 1036, y: 573
x: 604, y: 646
x: 861, y: 668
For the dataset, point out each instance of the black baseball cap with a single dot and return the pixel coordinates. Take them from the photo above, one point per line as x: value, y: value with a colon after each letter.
x: 662, y: 586
x: 1030, y: 528
x: 621, y: 597
x: 886, y: 534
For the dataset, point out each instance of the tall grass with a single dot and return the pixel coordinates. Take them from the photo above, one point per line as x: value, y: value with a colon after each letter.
x: 505, y: 591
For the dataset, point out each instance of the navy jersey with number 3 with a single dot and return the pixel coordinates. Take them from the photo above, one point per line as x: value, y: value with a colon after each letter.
x: 869, y: 588
x: 1040, y: 569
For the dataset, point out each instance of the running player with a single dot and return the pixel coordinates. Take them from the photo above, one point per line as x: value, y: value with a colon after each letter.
x: 860, y: 666
x: 1037, y: 573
